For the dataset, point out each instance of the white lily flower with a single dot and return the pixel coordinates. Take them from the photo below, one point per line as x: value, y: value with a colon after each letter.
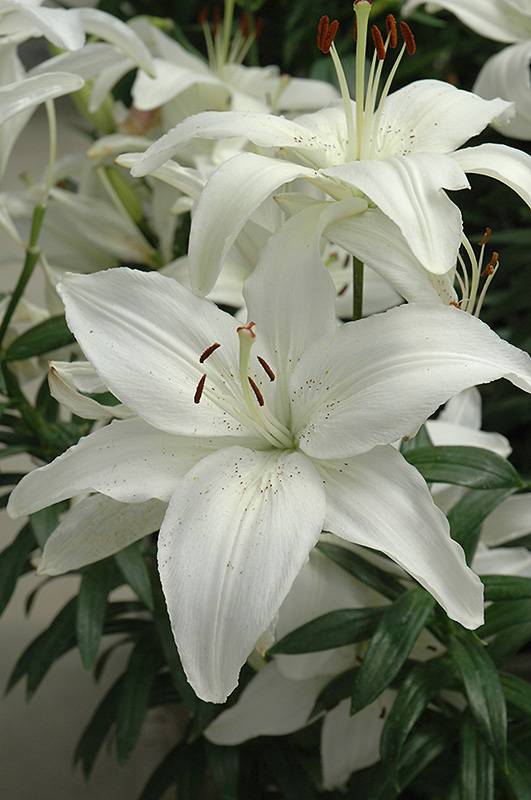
x: 505, y: 74
x: 256, y: 456
x: 398, y: 157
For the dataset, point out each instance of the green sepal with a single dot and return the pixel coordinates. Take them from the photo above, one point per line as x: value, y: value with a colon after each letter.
x: 483, y: 690
x: 472, y: 467
x: 335, y: 629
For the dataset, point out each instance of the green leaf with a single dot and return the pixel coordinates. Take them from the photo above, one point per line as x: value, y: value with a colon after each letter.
x: 96, y: 583
x: 50, y: 645
x: 46, y: 336
x: 10, y: 478
x: 517, y: 692
x: 335, y: 629
x: 476, y: 763
x: 501, y: 616
x: 164, y: 776
x: 373, y: 576
x: 390, y: 646
x: 420, y: 440
x: 204, y: 714
x: 509, y: 642
x: 98, y: 729
x: 467, y: 515
x: 13, y: 561
x: 169, y: 648
x: 224, y: 765
x: 133, y: 567
x: 473, y: 467
x: 142, y: 667
x: 44, y: 522
x: 423, y: 683
x: 483, y: 689
x: 518, y: 774
x: 335, y: 691
x: 506, y: 587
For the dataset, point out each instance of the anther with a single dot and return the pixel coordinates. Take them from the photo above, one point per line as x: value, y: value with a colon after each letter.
x: 453, y: 303
x: 267, y: 368
x: 326, y: 33
x: 203, y: 16
x: 390, y: 23
x: 245, y: 25
x: 378, y: 43
x: 491, y: 266
x: 258, y: 27
x: 408, y: 37
x: 217, y: 21
x: 208, y: 352
x: 355, y: 34
x: 258, y: 394
x: 486, y: 237
x: 199, y: 390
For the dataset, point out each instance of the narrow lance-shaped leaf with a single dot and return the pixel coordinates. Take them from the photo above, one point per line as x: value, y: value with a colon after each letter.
x: 353, y: 563
x: 476, y: 763
x: 224, y: 764
x: 467, y: 515
x: 335, y: 629
x: 98, y: 728
x: 473, y: 467
x: 483, y: 689
x: 133, y: 567
x: 506, y: 587
x: 12, y: 562
x: 424, y: 681
x: 96, y: 583
x: 390, y: 646
x: 42, y: 338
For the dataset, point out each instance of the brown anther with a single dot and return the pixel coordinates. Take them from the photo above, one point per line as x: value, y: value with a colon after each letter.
x: 208, y: 352
x: 390, y: 23
x: 379, y: 45
x: 408, y: 37
x: 199, y: 390
x: 343, y: 290
x: 489, y: 269
x: 486, y: 237
x: 258, y: 27
x: 383, y: 713
x: 355, y: 34
x: 217, y: 21
x: 245, y: 25
x: 258, y: 394
x: 203, y: 16
x: 453, y: 303
x: 267, y: 369
x: 326, y: 33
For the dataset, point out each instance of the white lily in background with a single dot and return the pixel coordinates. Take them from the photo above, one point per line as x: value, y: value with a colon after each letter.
x: 255, y: 456
x: 505, y: 74
x: 397, y: 158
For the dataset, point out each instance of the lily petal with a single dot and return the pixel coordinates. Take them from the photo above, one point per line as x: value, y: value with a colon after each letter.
x: 408, y: 189
x: 96, y: 528
x: 113, y: 30
x: 489, y: 18
x: 241, y: 523
x: 378, y: 500
x: 502, y: 560
x: 108, y: 311
x: 127, y: 460
x: 505, y: 164
x: 270, y: 705
x: 510, y: 520
x: 31, y: 92
x: 62, y: 27
x: 506, y: 75
x: 382, y: 377
x: 223, y: 209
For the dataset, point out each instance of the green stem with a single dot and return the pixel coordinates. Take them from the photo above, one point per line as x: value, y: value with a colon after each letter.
x: 33, y: 251
x: 357, y: 288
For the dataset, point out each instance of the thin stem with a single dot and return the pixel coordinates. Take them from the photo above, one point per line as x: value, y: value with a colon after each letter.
x: 357, y: 288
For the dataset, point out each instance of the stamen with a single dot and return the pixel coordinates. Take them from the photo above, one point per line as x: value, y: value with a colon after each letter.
x: 245, y: 25
x: 378, y: 43
x: 203, y: 16
x: 486, y: 238
x: 267, y: 368
x: 326, y: 33
x: 217, y: 21
x: 489, y: 269
x: 258, y: 394
x: 199, y: 390
x: 408, y: 37
x: 208, y: 352
x: 390, y: 23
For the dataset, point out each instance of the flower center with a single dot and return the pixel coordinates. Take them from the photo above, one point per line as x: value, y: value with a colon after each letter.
x: 362, y: 133
x: 245, y: 399
x: 472, y: 296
